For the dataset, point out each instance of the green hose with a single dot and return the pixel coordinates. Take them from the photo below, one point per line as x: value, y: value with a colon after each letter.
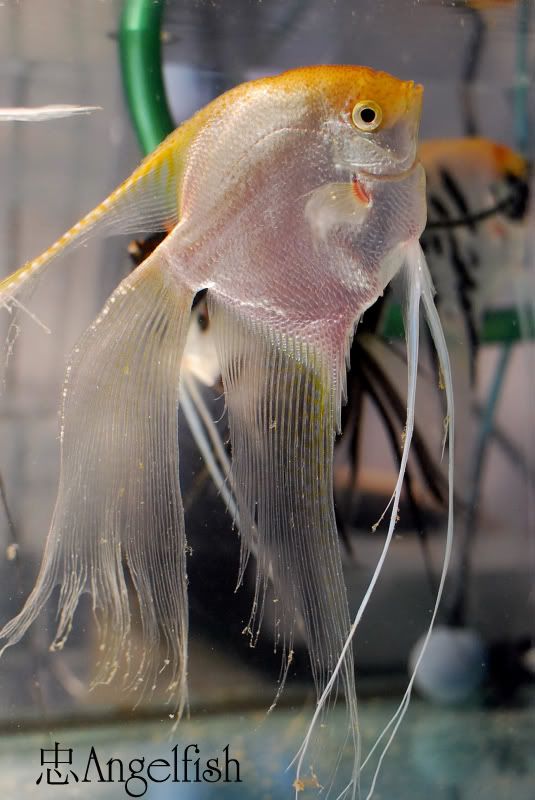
x: 141, y: 65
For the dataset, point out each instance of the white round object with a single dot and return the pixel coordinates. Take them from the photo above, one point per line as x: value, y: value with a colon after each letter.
x: 453, y: 665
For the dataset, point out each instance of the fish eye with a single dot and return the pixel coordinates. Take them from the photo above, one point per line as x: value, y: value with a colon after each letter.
x: 367, y: 115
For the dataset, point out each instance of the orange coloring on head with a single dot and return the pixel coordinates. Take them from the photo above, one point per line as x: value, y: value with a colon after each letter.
x: 343, y: 86
x: 509, y: 161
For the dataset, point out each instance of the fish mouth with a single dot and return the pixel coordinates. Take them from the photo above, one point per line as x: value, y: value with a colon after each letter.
x: 362, y: 181
x: 366, y: 175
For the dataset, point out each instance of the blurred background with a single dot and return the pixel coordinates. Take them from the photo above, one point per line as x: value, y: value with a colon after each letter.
x: 476, y: 61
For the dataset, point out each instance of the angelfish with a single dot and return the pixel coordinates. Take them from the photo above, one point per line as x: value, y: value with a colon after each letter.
x: 293, y: 200
x: 478, y: 200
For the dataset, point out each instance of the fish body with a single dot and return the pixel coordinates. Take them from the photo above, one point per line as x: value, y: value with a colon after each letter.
x: 478, y: 195
x: 292, y: 201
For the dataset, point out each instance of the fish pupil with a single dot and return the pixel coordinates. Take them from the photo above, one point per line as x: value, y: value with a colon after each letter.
x: 367, y: 115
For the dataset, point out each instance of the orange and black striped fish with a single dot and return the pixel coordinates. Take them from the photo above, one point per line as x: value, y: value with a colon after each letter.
x: 477, y: 196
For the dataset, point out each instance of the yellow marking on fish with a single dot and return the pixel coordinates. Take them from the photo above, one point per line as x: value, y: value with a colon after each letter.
x: 347, y: 85
x: 510, y: 161
x: 171, y: 155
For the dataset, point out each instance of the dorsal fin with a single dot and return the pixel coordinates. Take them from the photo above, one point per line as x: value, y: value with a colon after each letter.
x: 147, y: 201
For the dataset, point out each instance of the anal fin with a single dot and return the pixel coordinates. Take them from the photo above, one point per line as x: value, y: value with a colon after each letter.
x: 282, y: 404
x: 119, y: 500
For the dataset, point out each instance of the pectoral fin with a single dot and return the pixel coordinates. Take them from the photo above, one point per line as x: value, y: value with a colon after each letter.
x: 335, y: 204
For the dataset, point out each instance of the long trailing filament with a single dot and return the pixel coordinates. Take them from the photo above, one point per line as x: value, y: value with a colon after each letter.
x: 419, y: 288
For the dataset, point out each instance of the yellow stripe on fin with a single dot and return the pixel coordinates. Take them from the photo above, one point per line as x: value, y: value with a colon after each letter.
x: 147, y: 201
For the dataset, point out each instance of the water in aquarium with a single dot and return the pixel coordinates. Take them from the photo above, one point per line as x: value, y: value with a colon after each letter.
x: 267, y: 433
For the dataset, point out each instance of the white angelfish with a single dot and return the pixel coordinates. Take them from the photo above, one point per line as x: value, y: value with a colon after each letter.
x: 293, y: 201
